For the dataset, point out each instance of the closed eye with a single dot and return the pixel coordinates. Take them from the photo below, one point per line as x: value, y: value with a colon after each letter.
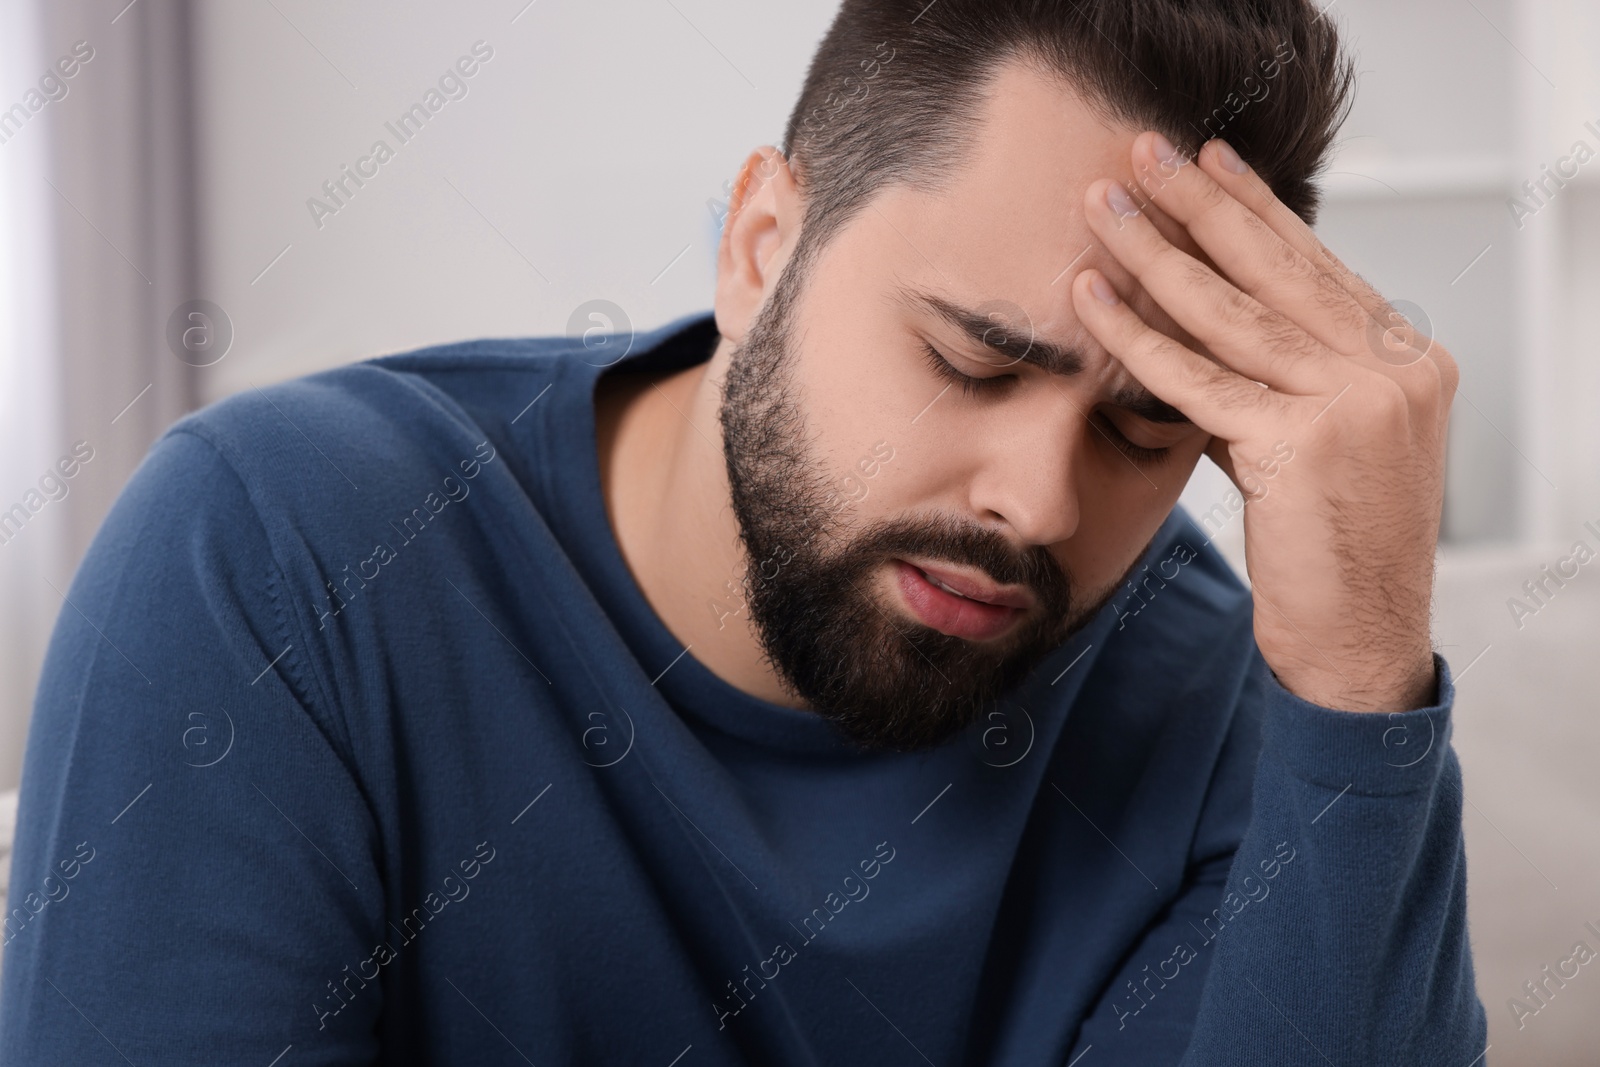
x: 969, y: 385
x: 1138, y: 453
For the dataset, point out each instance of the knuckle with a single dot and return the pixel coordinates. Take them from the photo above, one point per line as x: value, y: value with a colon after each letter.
x: 1449, y: 371
x: 1423, y: 382
x: 1273, y: 338
x: 1419, y: 383
x: 1176, y: 354
x: 1349, y: 319
x: 1323, y: 257
x: 1224, y: 389
x: 1364, y: 290
x: 1195, y: 273
x: 1282, y: 337
x: 1388, y: 406
x: 1347, y: 316
x: 1207, y: 194
x: 1283, y: 260
x: 1235, y: 310
x: 1431, y: 384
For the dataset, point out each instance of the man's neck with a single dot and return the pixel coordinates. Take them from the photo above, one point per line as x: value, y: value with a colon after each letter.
x: 666, y: 493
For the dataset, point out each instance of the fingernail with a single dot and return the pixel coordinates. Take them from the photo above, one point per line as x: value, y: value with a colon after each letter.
x: 1228, y: 157
x: 1165, y: 153
x: 1120, y: 201
x: 1102, y: 289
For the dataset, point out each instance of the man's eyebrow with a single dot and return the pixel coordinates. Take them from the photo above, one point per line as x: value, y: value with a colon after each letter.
x: 1017, y: 345
x: 1010, y: 339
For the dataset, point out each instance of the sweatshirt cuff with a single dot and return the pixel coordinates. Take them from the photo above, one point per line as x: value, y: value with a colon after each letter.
x: 1373, y: 753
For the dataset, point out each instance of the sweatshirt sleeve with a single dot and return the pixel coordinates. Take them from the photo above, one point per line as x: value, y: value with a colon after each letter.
x: 195, y: 868
x: 1337, y: 932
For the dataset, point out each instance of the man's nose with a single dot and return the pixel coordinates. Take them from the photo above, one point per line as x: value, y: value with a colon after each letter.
x: 1030, y: 474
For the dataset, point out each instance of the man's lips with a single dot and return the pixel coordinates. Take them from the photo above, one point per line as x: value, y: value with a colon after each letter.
x: 974, y: 585
x: 934, y: 595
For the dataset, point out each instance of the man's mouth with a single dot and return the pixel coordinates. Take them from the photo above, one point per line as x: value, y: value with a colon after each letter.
x: 960, y: 602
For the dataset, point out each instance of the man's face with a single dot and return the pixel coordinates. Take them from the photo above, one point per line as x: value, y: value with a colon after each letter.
x: 872, y: 489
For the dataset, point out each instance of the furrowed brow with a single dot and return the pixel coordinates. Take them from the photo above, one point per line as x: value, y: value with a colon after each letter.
x: 1012, y: 340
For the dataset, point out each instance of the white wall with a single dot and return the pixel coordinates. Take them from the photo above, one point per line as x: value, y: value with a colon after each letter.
x: 587, y: 147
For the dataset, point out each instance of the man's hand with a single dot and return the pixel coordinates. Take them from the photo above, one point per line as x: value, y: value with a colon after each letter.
x: 1341, y: 553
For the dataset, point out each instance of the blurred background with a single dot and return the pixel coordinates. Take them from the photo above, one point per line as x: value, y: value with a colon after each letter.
x: 161, y: 247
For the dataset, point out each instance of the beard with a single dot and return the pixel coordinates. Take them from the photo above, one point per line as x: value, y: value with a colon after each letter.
x: 885, y: 680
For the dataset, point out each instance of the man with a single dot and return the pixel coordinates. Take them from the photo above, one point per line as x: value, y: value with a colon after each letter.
x: 829, y: 682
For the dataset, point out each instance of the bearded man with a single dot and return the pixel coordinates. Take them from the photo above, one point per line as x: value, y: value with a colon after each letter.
x: 827, y: 679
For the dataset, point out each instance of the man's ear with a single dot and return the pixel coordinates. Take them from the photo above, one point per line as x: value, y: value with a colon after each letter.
x: 758, y: 235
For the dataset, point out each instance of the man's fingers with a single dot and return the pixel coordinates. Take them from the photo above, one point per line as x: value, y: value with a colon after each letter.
x: 1218, y: 400
x: 1222, y: 164
x: 1257, y: 341
x: 1254, y: 255
x: 1239, y: 224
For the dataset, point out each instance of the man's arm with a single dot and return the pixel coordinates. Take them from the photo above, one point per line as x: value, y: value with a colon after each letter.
x: 1337, y: 932
x: 1278, y: 342
x: 195, y: 872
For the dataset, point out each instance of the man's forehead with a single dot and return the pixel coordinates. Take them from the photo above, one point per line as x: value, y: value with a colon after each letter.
x: 1007, y: 215
x: 1038, y: 143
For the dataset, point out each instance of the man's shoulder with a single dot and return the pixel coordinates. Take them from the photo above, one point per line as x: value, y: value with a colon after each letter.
x: 320, y: 459
x: 325, y: 456
x: 421, y: 391
x: 399, y: 406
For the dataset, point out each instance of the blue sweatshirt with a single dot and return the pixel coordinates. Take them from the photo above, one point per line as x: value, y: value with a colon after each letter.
x: 356, y: 740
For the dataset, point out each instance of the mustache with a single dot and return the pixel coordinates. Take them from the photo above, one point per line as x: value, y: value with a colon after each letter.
x: 944, y: 537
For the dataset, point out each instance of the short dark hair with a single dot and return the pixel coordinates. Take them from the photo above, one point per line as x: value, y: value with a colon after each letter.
x: 896, y: 88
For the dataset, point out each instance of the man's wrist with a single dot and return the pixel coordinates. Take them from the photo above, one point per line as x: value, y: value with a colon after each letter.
x: 1401, y: 688
x: 1377, y: 755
